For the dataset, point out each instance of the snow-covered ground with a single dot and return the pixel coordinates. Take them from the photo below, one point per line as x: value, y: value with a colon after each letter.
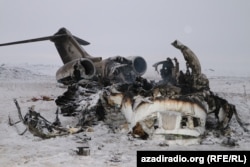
x: 24, y: 82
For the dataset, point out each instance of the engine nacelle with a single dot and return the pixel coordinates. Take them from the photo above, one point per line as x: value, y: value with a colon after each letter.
x: 139, y: 64
x: 121, y: 69
x: 65, y: 74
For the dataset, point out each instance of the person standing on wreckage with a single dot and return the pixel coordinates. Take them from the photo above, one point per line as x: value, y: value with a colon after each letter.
x: 193, y: 63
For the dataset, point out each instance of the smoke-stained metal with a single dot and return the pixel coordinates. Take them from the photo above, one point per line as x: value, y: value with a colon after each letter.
x: 65, y: 74
x: 111, y: 70
x: 121, y: 69
x: 191, y: 59
x: 112, y: 90
x: 161, y: 115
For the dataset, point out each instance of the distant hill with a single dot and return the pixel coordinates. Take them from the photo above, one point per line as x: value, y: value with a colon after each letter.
x: 26, y: 72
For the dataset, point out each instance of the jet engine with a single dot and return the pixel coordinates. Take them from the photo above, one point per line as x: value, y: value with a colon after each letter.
x: 121, y: 69
x: 66, y: 74
x: 139, y: 64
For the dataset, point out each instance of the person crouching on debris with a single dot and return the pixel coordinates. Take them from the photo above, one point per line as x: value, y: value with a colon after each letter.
x: 77, y: 73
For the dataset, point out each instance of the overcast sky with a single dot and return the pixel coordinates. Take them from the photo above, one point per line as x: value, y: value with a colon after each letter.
x: 218, y: 31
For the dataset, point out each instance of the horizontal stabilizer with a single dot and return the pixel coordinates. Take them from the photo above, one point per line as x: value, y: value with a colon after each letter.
x: 34, y: 40
x: 81, y: 41
x: 53, y: 37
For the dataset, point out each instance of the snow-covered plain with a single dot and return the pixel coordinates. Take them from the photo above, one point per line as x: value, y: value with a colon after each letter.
x: 24, y: 82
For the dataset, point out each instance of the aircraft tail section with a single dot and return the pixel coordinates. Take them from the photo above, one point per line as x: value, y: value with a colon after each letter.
x: 68, y: 46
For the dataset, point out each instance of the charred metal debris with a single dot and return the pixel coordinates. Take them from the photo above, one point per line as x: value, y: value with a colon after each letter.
x: 173, y: 108
x: 40, y: 126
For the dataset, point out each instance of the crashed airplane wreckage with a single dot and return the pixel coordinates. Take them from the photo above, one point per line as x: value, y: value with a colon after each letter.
x: 41, y: 127
x: 113, y: 91
x: 173, y: 108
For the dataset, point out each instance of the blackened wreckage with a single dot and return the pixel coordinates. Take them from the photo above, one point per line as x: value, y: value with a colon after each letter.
x: 113, y: 90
